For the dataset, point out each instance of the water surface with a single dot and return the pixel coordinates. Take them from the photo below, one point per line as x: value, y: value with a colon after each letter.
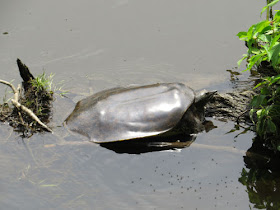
x: 95, y: 45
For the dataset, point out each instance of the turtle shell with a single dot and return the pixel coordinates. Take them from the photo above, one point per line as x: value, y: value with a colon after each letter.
x: 132, y: 112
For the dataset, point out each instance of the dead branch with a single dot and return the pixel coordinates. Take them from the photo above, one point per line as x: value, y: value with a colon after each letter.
x: 9, y: 84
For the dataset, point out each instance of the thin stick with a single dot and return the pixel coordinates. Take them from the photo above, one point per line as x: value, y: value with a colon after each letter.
x: 9, y: 84
x: 31, y: 114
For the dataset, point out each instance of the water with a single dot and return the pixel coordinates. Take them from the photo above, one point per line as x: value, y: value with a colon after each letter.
x: 95, y: 45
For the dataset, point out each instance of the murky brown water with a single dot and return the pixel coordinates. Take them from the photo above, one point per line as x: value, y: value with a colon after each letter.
x: 95, y: 45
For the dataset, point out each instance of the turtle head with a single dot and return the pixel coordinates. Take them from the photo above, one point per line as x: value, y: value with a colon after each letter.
x: 203, y: 96
x: 194, y: 117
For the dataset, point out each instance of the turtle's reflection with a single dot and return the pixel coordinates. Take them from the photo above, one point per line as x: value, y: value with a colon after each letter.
x: 151, y: 144
x: 169, y: 141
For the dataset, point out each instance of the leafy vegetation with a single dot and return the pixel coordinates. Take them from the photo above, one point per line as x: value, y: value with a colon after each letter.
x: 262, y: 40
x: 266, y: 105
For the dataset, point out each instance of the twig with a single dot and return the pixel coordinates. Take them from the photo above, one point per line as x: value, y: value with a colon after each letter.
x: 9, y: 84
x: 21, y: 119
x: 22, y: 107
x: 238, y: 118
x: 30, y: 113
x: 16, y: 97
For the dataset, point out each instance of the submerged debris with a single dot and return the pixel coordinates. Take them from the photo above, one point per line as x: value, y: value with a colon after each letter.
x: 31, y: 105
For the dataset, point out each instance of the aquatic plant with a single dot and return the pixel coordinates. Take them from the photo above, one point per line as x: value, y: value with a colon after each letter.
x: 266, y: 106
x: 262, y: 40
x: 44, y: 82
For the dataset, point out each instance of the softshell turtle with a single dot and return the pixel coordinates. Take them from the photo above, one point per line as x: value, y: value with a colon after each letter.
x: 127, y: 113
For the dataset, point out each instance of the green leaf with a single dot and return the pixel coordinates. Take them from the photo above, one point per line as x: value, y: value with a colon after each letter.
x: 267, y: 79
x: 250, y: 32
x: 277, y: 16
x: 256, y: 51
x: 268, y: 51
x: 242, y: 35
x: 253, y: 60
x: 258, y: 85
x: 278, y: 90
x: 270, y: 126
x: 251, y: 114
x: 258, y: 100
x: 259, y: 27
x: 274, y: 40
x: 244, y: 177
x: 265, y: 91
x: 275, y: 55
x: 266, y: 29
x: 269, y: 5
x: 275, y: 79
x: 264, y: 38
x: 260, y: 128
x: 240, y: 61
x: 260, y: 113
x: 274, y: 111
x: 264, y: 82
